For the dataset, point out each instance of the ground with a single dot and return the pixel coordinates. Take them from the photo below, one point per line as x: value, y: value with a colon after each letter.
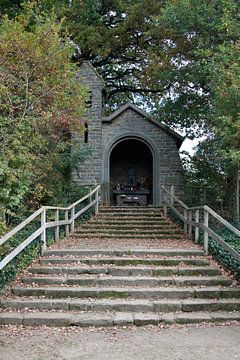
x: 202, y: 342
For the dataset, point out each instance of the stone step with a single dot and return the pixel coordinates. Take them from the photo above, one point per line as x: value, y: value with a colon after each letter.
x: 125, y: 261
x: 134, y: 215
x: 128, y: 270
x: 128, y: 236
x: 128, y: 292
x: 124, y: 251
x: 126, y: 216
x: 127, y: 222
x: 130, y: 209
x: 129, y: 226
x: 124, y: 305
x: 136, y: 281
x: 87, y: 319
x: 132, y: 232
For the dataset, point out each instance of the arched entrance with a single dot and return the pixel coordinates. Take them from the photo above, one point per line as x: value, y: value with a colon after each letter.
x: 131, y: 172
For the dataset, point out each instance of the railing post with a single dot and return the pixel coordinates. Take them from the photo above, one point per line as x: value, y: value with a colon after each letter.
x: 190, y: 224
x: 172, y: 194
x: 185, y: 221
x: 57, y: 232
x: 164, y: 202
x: 43, y: 234
x: 197, y: 226
x: 72, y: 218
x: 206, y: 220
x: 66, y: 226
x: 165, y: 209
x: 97, y: 204
x: 90, y: 198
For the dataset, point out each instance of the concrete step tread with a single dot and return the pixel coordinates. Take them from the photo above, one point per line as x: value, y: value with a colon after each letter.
x: 124, y: 251
x: 127, y: 270
x: 135, y: 221
x: 132, y: 278
x: 133, y: 305
x: 110, y: 231
x: 129, y: 236
x: 131, y: 212
x: 125, y: 292
x: 130, y: 229
x: 112, y: 319
x: 127, y: 208
x: 136, y: 281
x: 154, y: 214
x: 68, y: 303
x: 124, y: 260
x: 96, y: 224
x: 132, y: 217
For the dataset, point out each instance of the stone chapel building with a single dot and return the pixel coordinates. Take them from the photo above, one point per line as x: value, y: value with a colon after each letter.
x: 129, y: 153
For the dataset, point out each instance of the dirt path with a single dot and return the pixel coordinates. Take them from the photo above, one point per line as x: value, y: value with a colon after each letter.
x: 176, y: 343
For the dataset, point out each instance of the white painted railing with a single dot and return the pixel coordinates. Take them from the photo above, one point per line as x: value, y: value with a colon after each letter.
x: 198, y: 218
x: 70, y: 215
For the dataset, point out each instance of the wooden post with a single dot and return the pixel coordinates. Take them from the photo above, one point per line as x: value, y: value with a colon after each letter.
x: 237, y: 197
x: 66, y: 226
x: 43, y: 234
x: 72, y: 218
x: 90, y: 198
x: 57, y: 232
x: 185, y: 221
x: 172, y: 194
x: 197, y: 226
x: 190, y: 224
x: 206, y: 220
x: 97, y: 204
x: 165, y: 209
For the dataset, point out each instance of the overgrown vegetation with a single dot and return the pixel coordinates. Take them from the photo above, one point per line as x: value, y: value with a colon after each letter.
x: 41, y: 103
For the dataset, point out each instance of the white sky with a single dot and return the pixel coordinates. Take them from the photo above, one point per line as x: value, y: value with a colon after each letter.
x: 189, y: 145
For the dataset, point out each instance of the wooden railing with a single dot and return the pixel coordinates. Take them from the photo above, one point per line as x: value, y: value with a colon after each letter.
x: 71, y: 213
x: 197, y: 218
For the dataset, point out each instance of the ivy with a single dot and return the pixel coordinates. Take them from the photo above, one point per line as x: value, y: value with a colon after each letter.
x: 226, y: 259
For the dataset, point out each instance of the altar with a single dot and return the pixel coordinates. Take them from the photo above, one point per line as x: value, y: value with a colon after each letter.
x: 131, y: 198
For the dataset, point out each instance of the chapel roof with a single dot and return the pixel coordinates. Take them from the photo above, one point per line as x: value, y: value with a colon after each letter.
x: 109, y: 119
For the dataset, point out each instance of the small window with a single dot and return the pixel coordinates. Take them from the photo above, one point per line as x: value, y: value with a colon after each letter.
x: 86, y: 133
x: 88, y: 102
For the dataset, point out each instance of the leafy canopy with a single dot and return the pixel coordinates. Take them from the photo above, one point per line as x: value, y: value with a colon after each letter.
x: 41, y: 103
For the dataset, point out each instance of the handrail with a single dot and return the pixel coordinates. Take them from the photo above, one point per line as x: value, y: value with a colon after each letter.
x: 41, y: 231
x: 20, y: 226
x: 187, y: 218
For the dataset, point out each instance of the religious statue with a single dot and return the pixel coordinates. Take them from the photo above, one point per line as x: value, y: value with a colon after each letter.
x: 131, y: 175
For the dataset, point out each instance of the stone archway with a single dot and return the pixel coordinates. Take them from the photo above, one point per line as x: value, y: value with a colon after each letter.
x: 136, y: 153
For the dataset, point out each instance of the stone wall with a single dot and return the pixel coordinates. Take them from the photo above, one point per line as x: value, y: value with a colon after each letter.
x: 89, y: 171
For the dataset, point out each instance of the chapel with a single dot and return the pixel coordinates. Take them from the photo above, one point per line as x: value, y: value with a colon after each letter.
x: 128, y: 153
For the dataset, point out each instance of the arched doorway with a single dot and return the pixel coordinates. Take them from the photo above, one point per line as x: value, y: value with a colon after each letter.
x: 131, y: 172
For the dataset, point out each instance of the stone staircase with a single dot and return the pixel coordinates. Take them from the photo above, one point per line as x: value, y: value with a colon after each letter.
x: 125, y: 266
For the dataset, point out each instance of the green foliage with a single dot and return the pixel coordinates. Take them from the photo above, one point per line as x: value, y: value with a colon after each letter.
x: 41, y: 103
x: 226, y: 259
x: 31, y: 252
x: 151, y: 52
x: 24, y: 259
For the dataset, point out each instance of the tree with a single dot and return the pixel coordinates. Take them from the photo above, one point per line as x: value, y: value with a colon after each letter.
x: 149, y: 52
x: 41, y: 103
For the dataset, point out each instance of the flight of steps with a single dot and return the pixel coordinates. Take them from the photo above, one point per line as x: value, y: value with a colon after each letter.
x: 119, y: 274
